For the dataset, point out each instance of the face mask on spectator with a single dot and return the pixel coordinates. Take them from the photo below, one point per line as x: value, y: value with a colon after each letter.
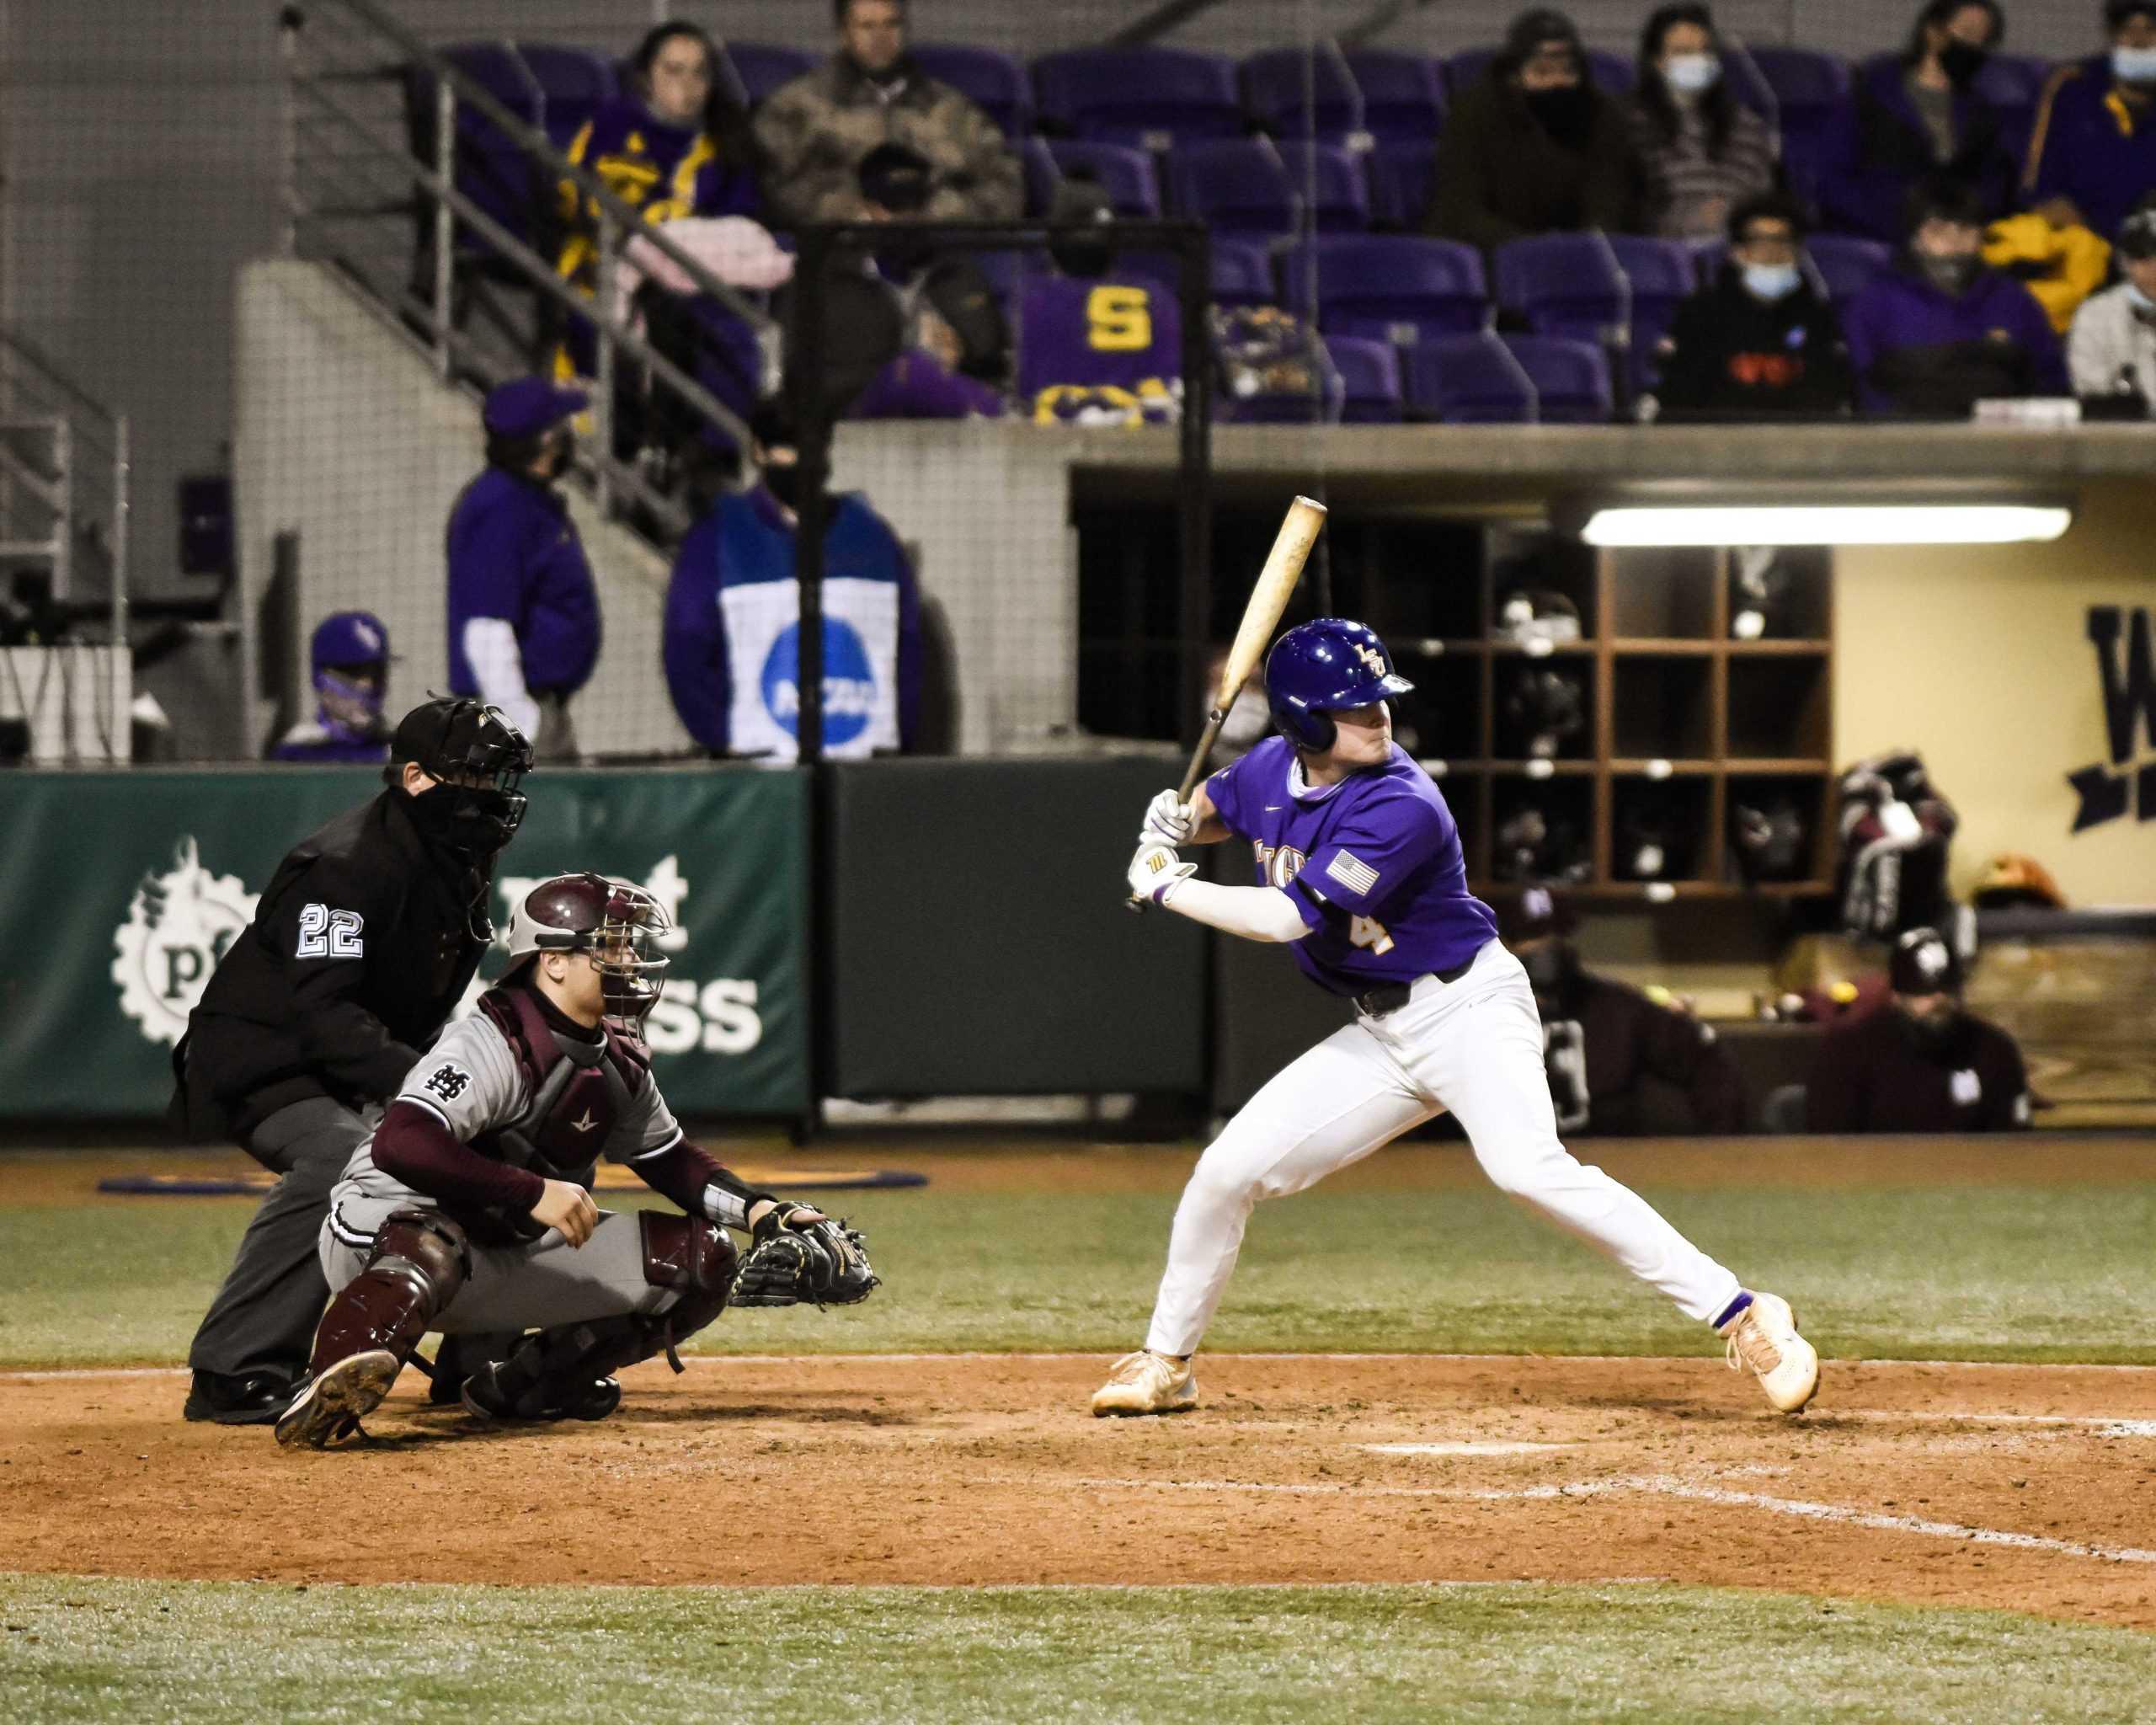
x: 1565, y: 111
x: 1693, y: 74
x: 1951, y: 273
x: 1961, y: 61
x: 1771, y: 282
x: 2134, y: 65
x: 2145, y: 307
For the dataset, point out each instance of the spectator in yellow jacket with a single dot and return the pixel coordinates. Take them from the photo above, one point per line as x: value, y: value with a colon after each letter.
x: 2061, y: 266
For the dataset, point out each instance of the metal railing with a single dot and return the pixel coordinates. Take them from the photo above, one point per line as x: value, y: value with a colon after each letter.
x: 425, y: 255
x: 64, y: 469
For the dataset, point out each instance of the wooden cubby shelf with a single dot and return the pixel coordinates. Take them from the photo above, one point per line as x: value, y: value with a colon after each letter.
x: 1682, y: 720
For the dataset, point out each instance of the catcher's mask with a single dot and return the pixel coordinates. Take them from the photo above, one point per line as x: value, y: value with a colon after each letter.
x: 620, y: 925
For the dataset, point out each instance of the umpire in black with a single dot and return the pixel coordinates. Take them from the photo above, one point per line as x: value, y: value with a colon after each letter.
x: 362, y: 947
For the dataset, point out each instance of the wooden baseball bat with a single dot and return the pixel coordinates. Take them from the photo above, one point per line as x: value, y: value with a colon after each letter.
x: 1284, y: 567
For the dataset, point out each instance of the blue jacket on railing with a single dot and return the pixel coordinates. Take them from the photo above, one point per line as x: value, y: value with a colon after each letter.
x: 732, y: 642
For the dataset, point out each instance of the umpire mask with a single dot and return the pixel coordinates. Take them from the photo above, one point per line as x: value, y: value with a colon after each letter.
x: 477, y: 758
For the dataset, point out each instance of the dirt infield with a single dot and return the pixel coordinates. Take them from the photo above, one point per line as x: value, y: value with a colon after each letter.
x: 2030, y: 1488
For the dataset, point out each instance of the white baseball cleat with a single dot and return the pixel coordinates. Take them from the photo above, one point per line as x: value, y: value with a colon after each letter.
x: 330, y: 1407
x: 1763, y: 1337
x: 1145, y: 1382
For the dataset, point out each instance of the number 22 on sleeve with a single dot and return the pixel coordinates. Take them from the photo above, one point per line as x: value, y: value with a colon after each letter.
x: 1368, y: 931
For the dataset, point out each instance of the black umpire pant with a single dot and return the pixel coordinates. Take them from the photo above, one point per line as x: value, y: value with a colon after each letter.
x: 265, y: 1316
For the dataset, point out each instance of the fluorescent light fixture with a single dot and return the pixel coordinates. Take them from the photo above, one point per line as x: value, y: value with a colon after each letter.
x: 1973, y: 523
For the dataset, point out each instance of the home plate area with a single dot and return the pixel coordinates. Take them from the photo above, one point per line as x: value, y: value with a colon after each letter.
x: 2030, y: 1487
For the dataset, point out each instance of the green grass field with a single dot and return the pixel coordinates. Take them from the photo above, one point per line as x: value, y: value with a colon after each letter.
x: 1969, y: 1272
x: 1951, y: 1273
x: 146, y: 1651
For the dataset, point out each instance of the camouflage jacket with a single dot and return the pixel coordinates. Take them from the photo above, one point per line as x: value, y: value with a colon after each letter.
x: 815, y: 130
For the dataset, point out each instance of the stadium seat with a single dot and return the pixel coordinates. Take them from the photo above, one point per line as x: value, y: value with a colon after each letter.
x: 1796, y: 90
x: 1661, y: 273
x: 1327, y: 182
x: 1400, y: 185
x: 1469, y: 380
x: 1571, y: 378
x: 1613, y: 72
x: 1369, y: 380
x: 994, y: 82
x: 1152, y: 97
x: 1841, y: 264
x: 1242, y: 273
x: 1127, y: 175
x: 1403, y: 95
x: 1042, y: 175
x: 762, y: 66
x: 1588, y: 286
x: 554, y: 88
x: 1398, y: 288
x: 1280, y: 83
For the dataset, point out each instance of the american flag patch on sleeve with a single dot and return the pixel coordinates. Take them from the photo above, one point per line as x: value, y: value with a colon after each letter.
x: 1351, y: 872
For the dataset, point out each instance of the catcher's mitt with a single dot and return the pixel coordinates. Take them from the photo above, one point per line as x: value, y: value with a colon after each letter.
x: 824, y: 1263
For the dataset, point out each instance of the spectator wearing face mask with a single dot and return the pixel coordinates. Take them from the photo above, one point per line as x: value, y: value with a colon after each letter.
x: 1922, y: 1063
x: 1761, y: 341
x: 2112, y: 349
x: 2092, y: 153
x: 733, y: 606
x: 1701, y: 152
x: 815, y: 131
x: 1939, y: 332
x: 1533, y: 148
x: 1602, y: 1038
x: 348, y: 656
x: 1917, y: 117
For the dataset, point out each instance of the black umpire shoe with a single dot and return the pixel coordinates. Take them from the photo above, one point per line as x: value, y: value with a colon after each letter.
x: 250, y: 1398
x: 485, y: 1399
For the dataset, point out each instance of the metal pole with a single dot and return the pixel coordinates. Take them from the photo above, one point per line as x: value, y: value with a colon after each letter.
x: 804, y: 386
x: 122, y: 751
x: 1195, y: 522
x: 444, y: 219
x: 63, y: 509
x: 290, y: 22
x: 602, y: 398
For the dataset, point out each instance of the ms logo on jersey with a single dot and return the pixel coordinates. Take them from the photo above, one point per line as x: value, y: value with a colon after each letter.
x: 448, y: 1082
x: 178, y: 925
x: 849, y: 682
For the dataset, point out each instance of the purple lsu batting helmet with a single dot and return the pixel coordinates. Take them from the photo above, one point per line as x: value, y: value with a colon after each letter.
x: 1321, y: 667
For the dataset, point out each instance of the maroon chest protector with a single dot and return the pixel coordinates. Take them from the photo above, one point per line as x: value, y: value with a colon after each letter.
x: 574, y: 1108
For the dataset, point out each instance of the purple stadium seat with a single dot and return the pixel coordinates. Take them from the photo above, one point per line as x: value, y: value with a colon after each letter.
x: 1280, y: 83
x: 994, y: 82
x: 1398, y: 288
x: 1125, y: 175
x: 1613, y: 72
x: 1242, y: 273
x: 762, y: 66
x: 1400, y: 185
x: 1796, y: 91
x: 552, y: 88
x: 1586, y: 286
x: 1403, y: 95
x: 1148, y: 97
x: 1042, y: 174
x: 1369, y: 380
x: 1327, y: 181
x: 1570, y: 379
x: 1469, y: 380
x: 1661, y: 273
x: 1234, y: 185
x: 2014, y: 82
x: 1841, y: 264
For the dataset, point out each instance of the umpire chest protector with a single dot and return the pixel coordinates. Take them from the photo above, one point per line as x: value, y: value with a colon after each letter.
x: 574, y: 1106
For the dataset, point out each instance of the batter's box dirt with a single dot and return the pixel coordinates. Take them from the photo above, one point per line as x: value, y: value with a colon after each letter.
x: 2031, y: 1488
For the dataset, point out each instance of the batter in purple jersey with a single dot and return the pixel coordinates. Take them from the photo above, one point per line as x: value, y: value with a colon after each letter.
x: 1360, y: 871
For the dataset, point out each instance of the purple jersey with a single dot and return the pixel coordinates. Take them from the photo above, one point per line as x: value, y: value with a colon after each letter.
x: 1373, y: 863
x: 1075, y: 337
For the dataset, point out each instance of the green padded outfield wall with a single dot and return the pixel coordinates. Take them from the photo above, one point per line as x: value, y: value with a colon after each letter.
x: 118, y: 890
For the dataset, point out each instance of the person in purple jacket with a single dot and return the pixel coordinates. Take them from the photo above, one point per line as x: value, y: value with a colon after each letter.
x: 2092, y: 152
x: 348, y: 659
x: 523, y: 608
x: 1939, y: 331
x: 1359, y: 873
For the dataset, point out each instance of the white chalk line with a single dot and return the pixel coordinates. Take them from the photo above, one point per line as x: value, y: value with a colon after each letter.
x: 1665, y: 1486
x: 10, y: 1374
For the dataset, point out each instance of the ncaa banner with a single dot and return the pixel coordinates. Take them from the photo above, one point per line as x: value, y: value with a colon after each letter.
x: 120, y: 890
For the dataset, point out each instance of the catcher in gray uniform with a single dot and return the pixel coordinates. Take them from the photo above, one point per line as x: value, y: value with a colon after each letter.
x: 469, y: 1210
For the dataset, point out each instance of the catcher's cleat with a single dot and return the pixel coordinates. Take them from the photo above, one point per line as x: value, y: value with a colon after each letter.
x: 1146, y: 1382
x: 1763, y: 1338
x: 330, y: 1405
x: 484, y: 1400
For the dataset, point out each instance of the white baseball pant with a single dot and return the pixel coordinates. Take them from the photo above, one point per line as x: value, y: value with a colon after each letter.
x: 1473, y: 1047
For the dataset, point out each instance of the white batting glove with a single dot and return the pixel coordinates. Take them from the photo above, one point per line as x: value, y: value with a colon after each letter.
x: 1167, y: 821
x: 1154, y: 871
